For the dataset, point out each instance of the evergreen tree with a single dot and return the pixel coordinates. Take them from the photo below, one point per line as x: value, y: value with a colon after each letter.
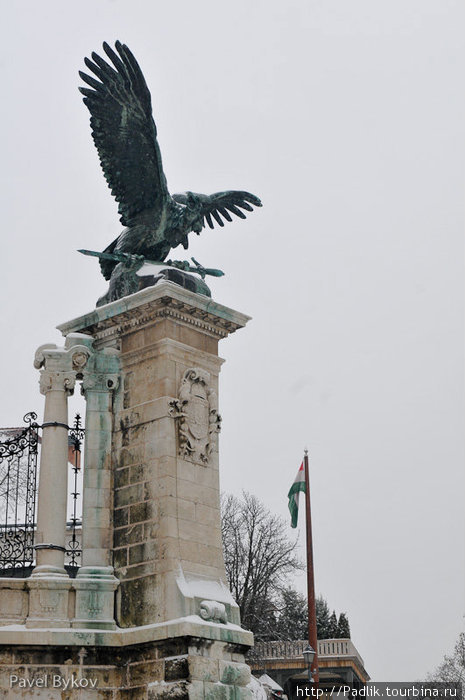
x: 332, y: 627
x: 343, y: 627
x: 291, y: 621
x: 293, y: 616
x: 322, y: 618
x: 263, y: 617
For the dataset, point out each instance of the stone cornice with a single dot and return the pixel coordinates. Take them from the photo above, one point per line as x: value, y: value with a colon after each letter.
x: 192, y: 626
x: 164, y: 300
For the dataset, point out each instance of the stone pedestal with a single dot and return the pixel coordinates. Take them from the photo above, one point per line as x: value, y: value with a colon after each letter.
x: 95, y: 589
x: 165, y: 511
x: 166, y: 521
x: 181, y: 660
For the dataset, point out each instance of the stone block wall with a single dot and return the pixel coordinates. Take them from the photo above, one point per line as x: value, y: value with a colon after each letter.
x: 179, y: 669
x: 166, y: 515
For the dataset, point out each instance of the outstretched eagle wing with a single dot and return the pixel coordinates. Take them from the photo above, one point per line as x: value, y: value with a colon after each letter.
x: 220, y: 204
x: 124, y: 132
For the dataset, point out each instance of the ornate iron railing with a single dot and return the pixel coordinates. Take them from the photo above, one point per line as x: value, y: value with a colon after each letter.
x: 18, y: 487
x: 75, y: 438
x: 18, y: 497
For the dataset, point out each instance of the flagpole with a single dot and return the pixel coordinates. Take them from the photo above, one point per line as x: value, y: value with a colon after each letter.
x: 312, y: 636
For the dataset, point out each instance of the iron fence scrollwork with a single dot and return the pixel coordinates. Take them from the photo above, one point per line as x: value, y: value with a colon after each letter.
x: 75, y: 437
x: 18, y: 489
x: 19, y: 449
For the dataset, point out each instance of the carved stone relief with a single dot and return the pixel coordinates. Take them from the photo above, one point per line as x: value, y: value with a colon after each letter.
x: 13, y: 604
x: 79, y: 361
x: 213, y: 611
x: 58, y: 381
x: 61, y: 366
x: 48, y: 600
x: 102, y: 381
x: 196, y: 410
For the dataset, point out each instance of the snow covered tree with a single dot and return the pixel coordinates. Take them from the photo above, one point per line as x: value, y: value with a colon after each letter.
x: 332, y: 627
x: 259, y: 557
x: 343, y: 627
x: 452, y: 669
x: 292, y: 618
x: 292, y: 622
x: 322, y: 618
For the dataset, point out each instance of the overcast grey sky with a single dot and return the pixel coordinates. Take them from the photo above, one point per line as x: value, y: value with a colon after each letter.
x: 346, y: 117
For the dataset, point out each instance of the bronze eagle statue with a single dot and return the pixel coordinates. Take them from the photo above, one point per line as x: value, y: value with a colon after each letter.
x: 125, y: 135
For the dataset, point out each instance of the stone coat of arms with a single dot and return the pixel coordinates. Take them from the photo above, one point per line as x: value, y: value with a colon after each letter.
x: 196, y: 410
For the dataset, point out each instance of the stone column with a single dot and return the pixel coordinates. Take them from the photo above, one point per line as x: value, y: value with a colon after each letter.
x: 49, y: 583
x: 53, y: 475
x: 95, y: 583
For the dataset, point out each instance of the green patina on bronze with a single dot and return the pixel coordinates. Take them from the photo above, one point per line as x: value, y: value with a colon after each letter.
x: 125, y: 135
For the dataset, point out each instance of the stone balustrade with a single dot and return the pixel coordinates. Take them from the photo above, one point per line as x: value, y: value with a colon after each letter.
x: 327, y: 648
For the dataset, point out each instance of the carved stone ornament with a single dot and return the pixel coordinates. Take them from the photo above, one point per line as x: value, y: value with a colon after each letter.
x: 57, y: 381
x: 49, y: 600
x: 196, y: 410
x: 60, y: 367
x: 79, y: 361
x: 99, y: 382
x: 212, y: 611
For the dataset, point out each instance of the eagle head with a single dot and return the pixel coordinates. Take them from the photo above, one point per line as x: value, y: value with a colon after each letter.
x: 193, y: 217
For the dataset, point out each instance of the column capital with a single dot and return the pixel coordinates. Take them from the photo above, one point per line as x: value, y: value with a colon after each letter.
x: 51, y: 380
x: 52, y: 357
x: 61, y: 366
x: 99, y: 382
x: 102, y: 371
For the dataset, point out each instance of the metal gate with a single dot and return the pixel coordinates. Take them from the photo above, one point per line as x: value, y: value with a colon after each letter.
x: 18, y: 488
x: 19, y: 449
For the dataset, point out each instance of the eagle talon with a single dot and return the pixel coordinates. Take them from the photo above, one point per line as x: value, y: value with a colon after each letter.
x: 178, y: 264
x: 133, y: 259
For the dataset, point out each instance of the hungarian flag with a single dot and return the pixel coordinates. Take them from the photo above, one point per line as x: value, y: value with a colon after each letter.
x: 293, y: 495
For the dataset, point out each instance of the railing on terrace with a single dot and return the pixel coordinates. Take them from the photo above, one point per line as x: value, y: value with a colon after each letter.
x: 327, y: 648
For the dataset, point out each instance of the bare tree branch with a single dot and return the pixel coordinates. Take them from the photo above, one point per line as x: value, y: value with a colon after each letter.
x: 452, y: 669
x: 259, y: 557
